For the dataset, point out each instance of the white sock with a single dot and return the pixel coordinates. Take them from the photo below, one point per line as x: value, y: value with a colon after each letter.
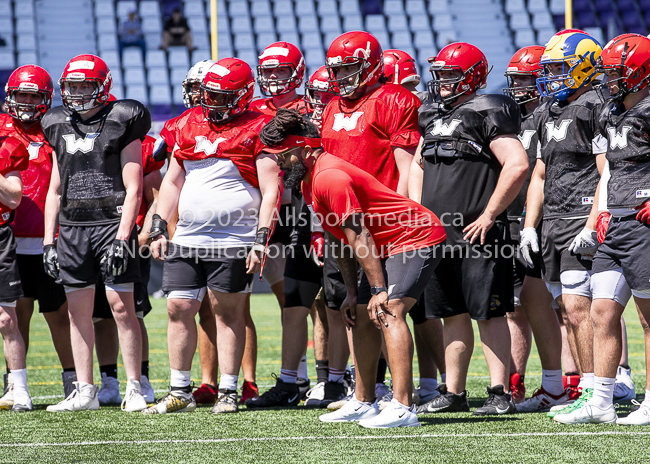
x: 443, y: 378
x: 428, y: 384
x: 587, y: 380
x: 288, y: 376
x: 336, y: 375
x: 603, y: 392
x: 646, y: 400
x: 19, y: 379
x: 228, y: 382
x: 302, y: 369
x: 180, y: 379
x: 363, y: 402
x: 552, y: 381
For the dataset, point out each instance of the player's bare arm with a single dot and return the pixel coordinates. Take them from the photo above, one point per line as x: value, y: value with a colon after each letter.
x: 593, y: 214
x: 403, y: 160
x: 416, y: 174
x: 11, y: 189
x: 52, y: 204
x: 131, y: 158
x: 535, y: 195
x: 363, y: 247
x: 511, y: 155
x: 150, y: 188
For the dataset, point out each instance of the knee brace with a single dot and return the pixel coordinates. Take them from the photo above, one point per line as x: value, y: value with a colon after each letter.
x: 611, y: 285
x: 576, y: 283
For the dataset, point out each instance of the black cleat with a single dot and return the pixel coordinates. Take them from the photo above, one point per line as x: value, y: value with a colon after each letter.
x: 281, y: 395
x: 445, y: 402
x: 498, y: 403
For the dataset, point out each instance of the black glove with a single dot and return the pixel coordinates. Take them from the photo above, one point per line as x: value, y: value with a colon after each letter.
x: 117, y: 257
x: 158, y: 227
x: 51, y: 261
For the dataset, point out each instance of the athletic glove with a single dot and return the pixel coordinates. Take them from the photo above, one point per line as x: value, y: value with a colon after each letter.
x: 528, y: 244
x: 316, y: 248
x: 51, y: 261
x: 643, y: 214
x: 585, y: 243
x: 158, y: 227
x: 602, y: 223
x: 117, y: 257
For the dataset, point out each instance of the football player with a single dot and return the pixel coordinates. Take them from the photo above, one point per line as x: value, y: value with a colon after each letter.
x: 216, y: 245
x: 374, y: 127
x: 395, y: 256
x: 94, y: 196
x: 619, y: 269
x: 317, y: 95
x: 29, y: 96
x: 14, y: 158
x: 400, y: 69
x: 562, y: 187
x: 470, y: 140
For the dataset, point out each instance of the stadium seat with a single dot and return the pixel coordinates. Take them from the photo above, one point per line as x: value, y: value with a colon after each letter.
x: 383, y: 39
x: 419, y: 23
x: 393, y: 7
x: 581, y: 6
x: 106, y: 26
x: 587, y: 19
x: 260, y: 8
x: 415, y: 7
x: 402, y: 40
x: 178, y: 57
x: 123, y: 8
x: 116, y: 74
x: 524, y: 37
x: 6, y: 27
x: 443, y: 22
x: 314, y: 57
x: 347, y: 7
x: 24, y: 9
x: 307, y: 24
x: 291, y: 37
x: 397, y: 23
x: 177, y: 96
x: 197, y: 25
x: 107, y: 42
x: 519, y: 21
x: 244, y: 42
x: 445, y: 37
x: 352, y: 23
x: 111, y: 58
x: 132, y: 57
x: 263, y: 40
x: 438, y: 6
x: 195, y: 8
x: 608, y: 16
x: 515, y: 6
x: 134, y: 76
x: 542, y: 20
x: 156, y: 58
x: 329, y: 38
x: 264, y: 24
x: 250, y: 57
x: 151, y: 25
x: 375, y: 23
x: 118, y: 92
x: 423, y: 56
x: 5, y: 10
x: 137, y: 92
x: 596, y: 33
x: 153, y: 41
x: 287, y: 24
x: 104, y: 9
x: 240, y: 24
x: 330, y: 24
x: 160, y: 95
x: 423, y: 39
x: 149, y: 8
x: 557, y: 7
x: 305, y: 8
x: 327, y: 7
x: 544, y: 35
x: 26, y: 42
x: 539, y: 6
x: 25, y: 26
x: 178, y: 76
x: 312, y: 40
x: 236, y: 9
x: 27, y: 58
x: 283, y: 9
x: 200, y: 55
x: 157, y: 75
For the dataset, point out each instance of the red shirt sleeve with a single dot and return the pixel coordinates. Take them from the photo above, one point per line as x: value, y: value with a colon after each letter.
x: 402, y: 125
x: 333, y: 190
x: 13, y: 156
x: 149, y: 165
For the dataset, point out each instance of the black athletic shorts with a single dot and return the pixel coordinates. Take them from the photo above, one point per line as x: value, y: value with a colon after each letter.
x: 102, y: 310
x: 223, y: 270
x: 406, y: 274
x: 474, y: 279
x: 284, y: 229
x: 302, y: 278
x: 417, y: 312
x: 557, y: 235
x: 334, y: 288
x: 10, y: 286
x: 81, y: 249
x: 38, y: 285
x: 626, y: 247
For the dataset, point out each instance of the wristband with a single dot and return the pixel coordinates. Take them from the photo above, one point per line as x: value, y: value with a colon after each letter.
x: 158, y: 227
x: 262, y: 236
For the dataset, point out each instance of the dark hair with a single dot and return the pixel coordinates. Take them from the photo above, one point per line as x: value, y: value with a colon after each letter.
x: 287, y: 122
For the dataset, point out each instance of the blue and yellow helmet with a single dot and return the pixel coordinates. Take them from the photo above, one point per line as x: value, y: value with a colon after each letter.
x: 578, y: 53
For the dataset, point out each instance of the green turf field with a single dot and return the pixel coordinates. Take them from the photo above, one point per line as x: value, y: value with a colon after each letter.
x: 110, y: 435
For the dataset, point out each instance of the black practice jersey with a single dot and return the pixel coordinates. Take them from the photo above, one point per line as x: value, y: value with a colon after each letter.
x: 628, y: 154
x: 567, y: 133
x: 528, y: 138
x: 460, y: 171
x: 88, y: 156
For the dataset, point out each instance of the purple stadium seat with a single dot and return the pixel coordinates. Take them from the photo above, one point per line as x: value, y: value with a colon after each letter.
x: 644, y: 5
x: 604, y: 5
x: 626, y: 5
x: 558, y: 20
x: 581, y: 6
x: 605, y: 17
x: 638, y: 30
x: 587, y: 19
x: 631, y: 19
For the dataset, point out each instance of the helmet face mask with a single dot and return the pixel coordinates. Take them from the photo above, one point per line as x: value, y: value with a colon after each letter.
x: 345, y: 78
x: 281, y: 69
x: 522, y: 87
x: 276, y: 80
x: 218, y: 104
x: 625, y: 61
x: 85, y: 84
x: 459, y: 69
x: 447, y: 83
x: 192, y: 83
x: 81, y: 98
x: 226, y: 90
x: 318, y: 93
x: 29, y: 92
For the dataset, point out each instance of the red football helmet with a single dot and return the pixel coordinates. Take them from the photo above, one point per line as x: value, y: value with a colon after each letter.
x: 85, y: 69
x: 29, y: 78
x: 227, y: 89
x: 399, y: 67
x: 525, y: 62
x: 629, y: 56
x: 318, y: 82
x: 281, y: 55
x: 463, y: 58
x: 360, y: 48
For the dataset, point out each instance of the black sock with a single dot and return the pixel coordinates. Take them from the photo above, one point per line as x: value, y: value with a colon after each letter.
x: 322, y: 371
x: 109, y: 369
x: 624, y: 366
x: 187, y: 389
x: 144, y: 369
x: 381, y: 370
x: 68, y: 369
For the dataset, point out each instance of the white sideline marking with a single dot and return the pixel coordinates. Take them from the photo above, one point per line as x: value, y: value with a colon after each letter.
x: 360, y: 437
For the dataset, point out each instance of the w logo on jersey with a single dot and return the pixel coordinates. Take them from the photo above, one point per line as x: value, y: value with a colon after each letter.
x: 618, y: 139
x: 33, y: 149
x: 526, y: 137
x: 204, y: 145
x: 85, y: 145
x: 342, y: 121
x: 557, y: 133
x: 440, y: 128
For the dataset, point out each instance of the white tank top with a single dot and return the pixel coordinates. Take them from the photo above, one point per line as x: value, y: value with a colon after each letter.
x: 217, y: 207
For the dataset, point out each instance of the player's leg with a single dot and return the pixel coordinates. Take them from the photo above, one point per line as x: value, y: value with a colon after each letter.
x: 15, y: 356
x: 59, y: 324
x: 624, y: 389
x: 520, y: 345
x: 107, y: 347
x: 24, y: 312
x: 142, y: 308
x: 249, y: 361
x: 429, y: 345
x: 320, y: 336
x: 208, y: 391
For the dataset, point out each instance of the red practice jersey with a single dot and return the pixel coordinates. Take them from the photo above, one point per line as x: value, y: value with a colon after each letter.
x: 364, y: 131
x: 148, y: 166
x: 266, y: 106
x: 397, y: 224
x: 29, y: 219
x: 13, y: 157
x: 167, y: 133
x: 237, y: 140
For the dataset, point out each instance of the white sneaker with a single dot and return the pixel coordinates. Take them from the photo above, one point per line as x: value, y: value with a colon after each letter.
x: 22, y: 402
x: 109, y: 394
x: 639, y: 417
x: 147, y: 389
x: 624, y: 386
x: 352, y: 411
x: 542, y: 401
x: 588, y: 414
x: 315, y: 395
x: 133, y: 398
x: 394, y: 415
x: 83, y: 398
x: 7, y: 400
